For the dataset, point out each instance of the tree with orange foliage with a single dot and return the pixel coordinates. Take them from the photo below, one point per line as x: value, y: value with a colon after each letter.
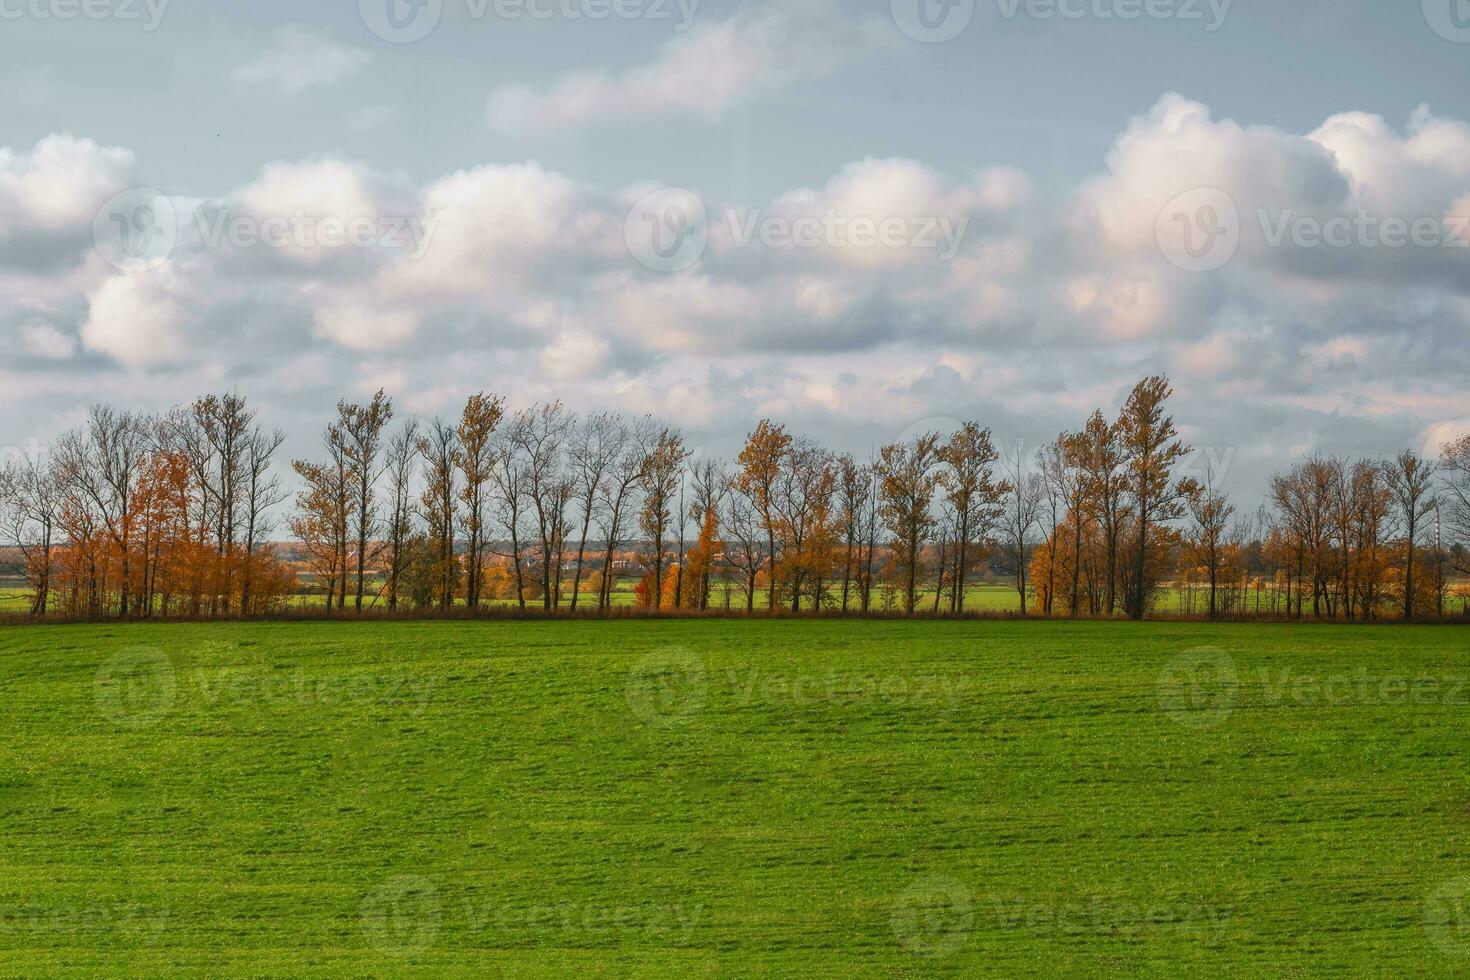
x: 802, y: 505
x: 662, y: 475
x: 760, y: 464
x: 907, y: 479
x: 700, y: 559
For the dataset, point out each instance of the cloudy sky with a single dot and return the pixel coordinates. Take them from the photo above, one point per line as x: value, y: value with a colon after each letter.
x: 860, y: 218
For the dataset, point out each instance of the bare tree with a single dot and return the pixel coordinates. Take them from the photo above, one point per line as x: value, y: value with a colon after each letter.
x: 401, y: 464
x: 262, y: 492
x: 743, y: 541
x: 595, y: 448
x: 1454, y: 468
x: 30, y: 504
x: 855, y: 495
x: 539, y: 436
x: 362, y: 429
x: 1053, y: 514
x: 1410, y: 479
x: 1024, y: 493
x: 1211, y: 512
x: 226, y: 423
x: 624, y: 478
x: 104, y: 463
x: 974, y: 499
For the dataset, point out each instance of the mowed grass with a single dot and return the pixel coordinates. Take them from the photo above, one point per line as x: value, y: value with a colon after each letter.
x: 734, y: 798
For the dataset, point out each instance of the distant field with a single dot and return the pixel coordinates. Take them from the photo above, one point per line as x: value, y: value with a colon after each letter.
x: 14, y: 598
x: 734, y: 798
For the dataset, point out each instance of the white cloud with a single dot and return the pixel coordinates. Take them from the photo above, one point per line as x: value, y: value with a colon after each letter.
x: 361, y: 326
x: 575, y: 354
x: 500, y: 228
x: 702, y: 73
x: 300, y: 60
x: 61, y: 183
x: 138, y: 319
x: 1049, y: 308
x: 42, y: 340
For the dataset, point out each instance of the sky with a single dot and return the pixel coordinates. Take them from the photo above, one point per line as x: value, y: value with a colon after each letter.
x: 862, y: 219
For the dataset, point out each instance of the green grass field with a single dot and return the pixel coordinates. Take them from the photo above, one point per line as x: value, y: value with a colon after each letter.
x: 734, y: 798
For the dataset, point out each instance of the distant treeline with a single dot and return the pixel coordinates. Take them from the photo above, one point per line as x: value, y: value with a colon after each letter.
x: 139, y: 516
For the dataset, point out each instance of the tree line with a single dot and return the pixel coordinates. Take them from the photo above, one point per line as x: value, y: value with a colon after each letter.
x: 135, y: 516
